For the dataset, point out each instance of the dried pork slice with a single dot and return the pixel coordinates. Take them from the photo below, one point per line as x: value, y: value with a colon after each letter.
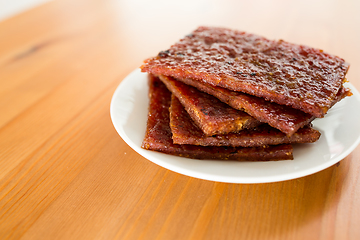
x: 288, y: 120
x: 209, y: 113
x: 158, y: 135
x: 185, y: 131
x: 288, y: 74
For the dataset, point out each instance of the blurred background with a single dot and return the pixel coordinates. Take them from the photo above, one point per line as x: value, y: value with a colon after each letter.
x: 154, y: 25
x: 9, y: 8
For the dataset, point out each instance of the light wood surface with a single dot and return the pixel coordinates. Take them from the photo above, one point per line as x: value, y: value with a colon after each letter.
x: 66, y: 174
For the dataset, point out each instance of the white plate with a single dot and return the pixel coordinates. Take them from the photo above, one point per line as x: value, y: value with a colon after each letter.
x: 340, y: 134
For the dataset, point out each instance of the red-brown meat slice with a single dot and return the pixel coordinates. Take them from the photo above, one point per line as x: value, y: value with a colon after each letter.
x: 284, y: 118
x: 185, y: 131
x: 209, y: 113
x: 158, y: 135
x: 299, y: 76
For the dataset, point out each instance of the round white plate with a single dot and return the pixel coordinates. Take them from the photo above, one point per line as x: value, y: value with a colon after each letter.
x: 340, y: 134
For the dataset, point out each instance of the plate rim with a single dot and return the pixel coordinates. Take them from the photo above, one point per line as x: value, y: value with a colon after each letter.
x: 151, y: 155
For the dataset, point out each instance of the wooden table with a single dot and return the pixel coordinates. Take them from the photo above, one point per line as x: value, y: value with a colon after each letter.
x: 66, y: 174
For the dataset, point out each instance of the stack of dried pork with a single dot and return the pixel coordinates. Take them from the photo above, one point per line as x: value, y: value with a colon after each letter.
x: 225, y: 94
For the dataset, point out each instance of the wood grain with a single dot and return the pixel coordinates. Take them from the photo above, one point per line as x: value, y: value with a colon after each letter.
x: 66, y: 173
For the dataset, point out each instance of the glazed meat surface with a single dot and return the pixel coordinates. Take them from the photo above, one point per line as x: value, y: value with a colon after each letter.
x: 286, y: 119
x: 158, y: 135
x: 302, y: 77
x: 185, y: 131
x: 209, y: 113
